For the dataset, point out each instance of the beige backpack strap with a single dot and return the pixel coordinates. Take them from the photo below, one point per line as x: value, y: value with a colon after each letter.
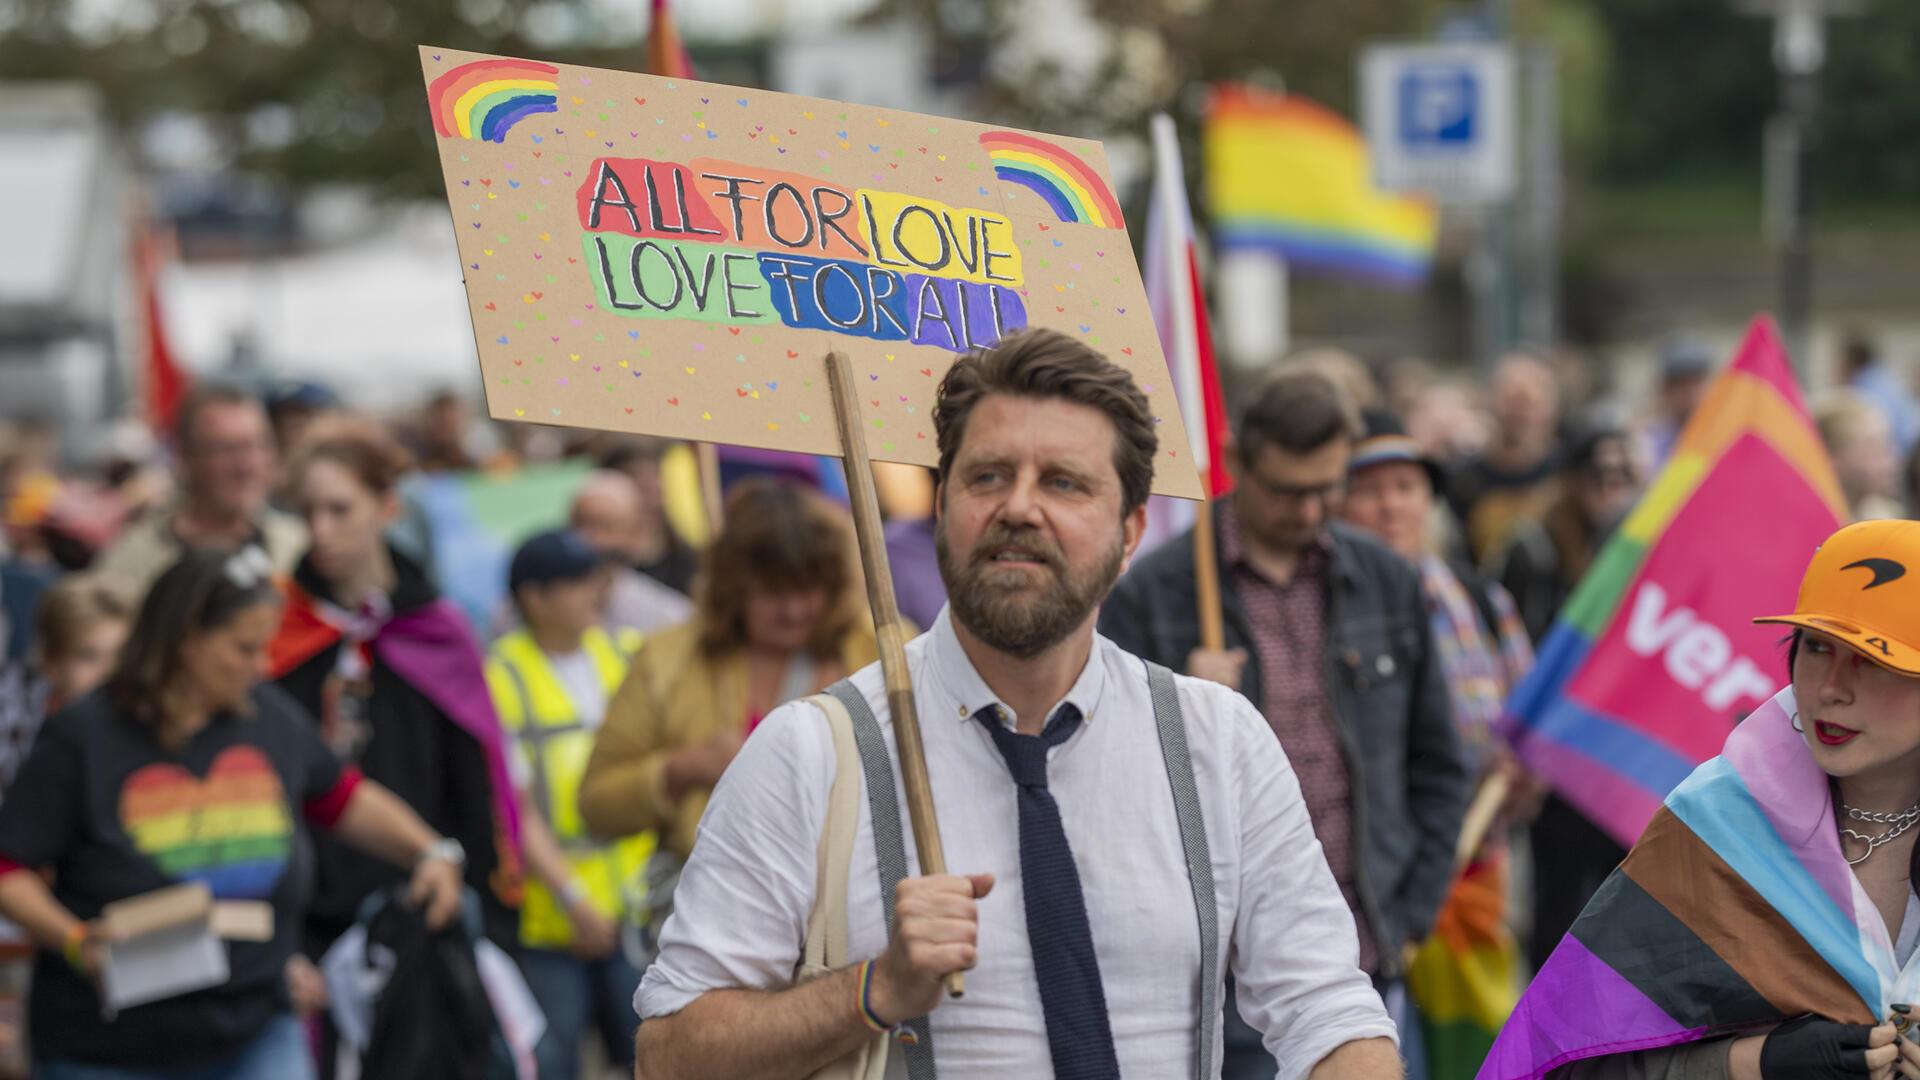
x: 827, y: 933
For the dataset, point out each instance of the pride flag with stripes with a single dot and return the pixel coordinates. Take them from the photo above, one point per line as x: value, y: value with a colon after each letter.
x: 1654, y: 658
x: 1736, y: 910
x: 1465, y: 979
x: 1289, y: 176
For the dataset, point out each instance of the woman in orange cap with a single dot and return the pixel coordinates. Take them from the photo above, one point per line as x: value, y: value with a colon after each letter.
x: 1767, y: 924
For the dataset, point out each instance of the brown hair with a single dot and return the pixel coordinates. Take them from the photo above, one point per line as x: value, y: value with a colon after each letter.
x: 1350, y: 373
x: 1299, y: 410
x: 1046, y: 364
x: 777, y: 536
x: 204, y: 590
x: 198, y: 399
x: 363, y: 449
x: 68, y: 610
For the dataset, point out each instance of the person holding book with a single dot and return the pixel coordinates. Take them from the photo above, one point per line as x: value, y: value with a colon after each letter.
x: 185, y: 767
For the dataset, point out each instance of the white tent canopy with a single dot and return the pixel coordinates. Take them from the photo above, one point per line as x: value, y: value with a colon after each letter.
x: 383, y: 319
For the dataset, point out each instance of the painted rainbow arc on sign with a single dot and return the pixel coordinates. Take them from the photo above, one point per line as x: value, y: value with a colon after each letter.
x: 1073, y: 190
x: 481, y: 100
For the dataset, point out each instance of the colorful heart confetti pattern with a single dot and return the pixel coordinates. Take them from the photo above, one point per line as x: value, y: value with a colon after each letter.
x: 553, y: 351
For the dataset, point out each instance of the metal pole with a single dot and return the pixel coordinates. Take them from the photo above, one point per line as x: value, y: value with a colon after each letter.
x: 1482, y: 271
x: 1494, y: 254
x: 1799, y: 51
x: 1800, y: 91
x: 1539, y: 73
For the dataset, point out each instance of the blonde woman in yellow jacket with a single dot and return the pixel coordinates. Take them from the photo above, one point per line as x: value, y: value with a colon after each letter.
x: 779, y: 615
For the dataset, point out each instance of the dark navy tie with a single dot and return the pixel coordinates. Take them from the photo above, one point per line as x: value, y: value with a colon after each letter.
x: 1071, y: 998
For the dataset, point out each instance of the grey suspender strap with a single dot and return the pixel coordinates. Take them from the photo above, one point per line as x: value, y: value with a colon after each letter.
x: 889, y: 848
x: 1193, y: 837
x: 891, y: 855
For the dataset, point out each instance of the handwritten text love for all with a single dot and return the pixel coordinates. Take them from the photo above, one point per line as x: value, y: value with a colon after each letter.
x: 717, y: 241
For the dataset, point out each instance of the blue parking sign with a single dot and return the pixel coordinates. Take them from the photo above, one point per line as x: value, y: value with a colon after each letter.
x: 1440, y: 119
x: 1438, y: 107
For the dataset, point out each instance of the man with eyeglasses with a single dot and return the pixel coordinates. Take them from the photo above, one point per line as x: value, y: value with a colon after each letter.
x: 1326, y: 633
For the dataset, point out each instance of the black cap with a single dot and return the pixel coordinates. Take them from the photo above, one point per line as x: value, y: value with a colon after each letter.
x: 1386, y: 440
x: 559, y: 555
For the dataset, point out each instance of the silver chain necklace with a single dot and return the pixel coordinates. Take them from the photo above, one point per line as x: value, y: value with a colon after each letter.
x: 1898, y: 823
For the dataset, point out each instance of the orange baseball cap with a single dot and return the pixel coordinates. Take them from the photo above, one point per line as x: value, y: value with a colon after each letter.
x: 1863, y: 587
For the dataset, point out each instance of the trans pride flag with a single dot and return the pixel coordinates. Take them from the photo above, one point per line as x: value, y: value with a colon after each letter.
x: 1736, y: 910
x: 1291, y: 177
x: 1655, y: 657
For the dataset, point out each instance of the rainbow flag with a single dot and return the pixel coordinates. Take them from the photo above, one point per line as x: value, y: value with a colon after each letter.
x: 1654, y: 658
x: 1735, y: 911
x: 1465, y: 978
x: 1289, y: 176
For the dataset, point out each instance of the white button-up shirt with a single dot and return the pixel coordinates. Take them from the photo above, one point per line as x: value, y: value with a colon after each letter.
x: 740, y: 912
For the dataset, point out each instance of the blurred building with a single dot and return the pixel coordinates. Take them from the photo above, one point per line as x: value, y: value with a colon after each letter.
x: 370, y: 304
x: 67, y: 286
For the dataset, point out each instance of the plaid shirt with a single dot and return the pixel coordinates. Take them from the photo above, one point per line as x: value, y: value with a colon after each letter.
x: 1288, y: 621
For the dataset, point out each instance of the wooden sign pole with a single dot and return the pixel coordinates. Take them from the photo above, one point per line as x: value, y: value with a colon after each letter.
x: 887, y: 627
x: 707, y: 457
x: 1482, y: 814
x: 1206, y: 579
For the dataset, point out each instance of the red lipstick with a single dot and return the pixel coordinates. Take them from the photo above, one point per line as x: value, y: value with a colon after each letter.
x: 1833, y: 734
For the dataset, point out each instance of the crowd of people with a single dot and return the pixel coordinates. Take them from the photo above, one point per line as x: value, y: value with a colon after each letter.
x: 229, y: 659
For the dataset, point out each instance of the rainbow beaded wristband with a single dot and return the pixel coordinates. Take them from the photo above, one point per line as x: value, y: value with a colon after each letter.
x: 863, y: 1003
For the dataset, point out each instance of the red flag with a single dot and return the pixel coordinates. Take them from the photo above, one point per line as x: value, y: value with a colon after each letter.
x: 666, y: 53
x: 1219, y: 481
x: 1179, y: 304
x: 162, y: 382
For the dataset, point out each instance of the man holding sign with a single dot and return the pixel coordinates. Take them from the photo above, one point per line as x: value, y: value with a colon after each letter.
x: 688, y: 260
x: 1080, y: 790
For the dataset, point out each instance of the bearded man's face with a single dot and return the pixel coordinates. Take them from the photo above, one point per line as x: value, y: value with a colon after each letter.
x: 1031, y: 536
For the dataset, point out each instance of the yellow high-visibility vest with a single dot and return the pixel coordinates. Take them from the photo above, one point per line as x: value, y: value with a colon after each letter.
x: 536, y: 711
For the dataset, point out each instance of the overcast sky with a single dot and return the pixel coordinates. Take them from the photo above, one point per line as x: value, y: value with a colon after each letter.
x: 707, y: 19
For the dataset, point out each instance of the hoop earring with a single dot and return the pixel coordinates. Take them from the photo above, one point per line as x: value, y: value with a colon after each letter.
x: 1796, y: 722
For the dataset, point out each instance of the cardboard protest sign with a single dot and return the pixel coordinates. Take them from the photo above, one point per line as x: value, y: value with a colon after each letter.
x: 677, y: 258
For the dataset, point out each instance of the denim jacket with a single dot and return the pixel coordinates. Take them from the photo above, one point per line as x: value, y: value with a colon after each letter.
x: 1390, y: 707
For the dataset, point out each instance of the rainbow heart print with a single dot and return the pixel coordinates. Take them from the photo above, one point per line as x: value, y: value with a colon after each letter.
x: 231, y: 830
